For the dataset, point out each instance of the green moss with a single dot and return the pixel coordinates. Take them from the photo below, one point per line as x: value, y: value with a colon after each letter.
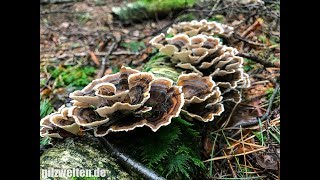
x: 83, y: 153
x: 133, y: 46
x: 77, y: 76
x: 160, y: 66
x: 143, y: 9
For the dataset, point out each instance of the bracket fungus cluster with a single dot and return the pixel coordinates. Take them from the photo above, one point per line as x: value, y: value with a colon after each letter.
x: 212, y: 74
x: 118, y: 102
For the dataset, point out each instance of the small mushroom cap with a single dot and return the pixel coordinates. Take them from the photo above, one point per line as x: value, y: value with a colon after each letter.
x: 139, y: 87
x: 66, y: 123
x: 45, y: 122
x: 205, y: 111
x: 107, y: 110
x: 45, y: 132
x: 119, y: 80
x: 179, y: 40
x: 168, y: 49
x: 182, y: 56
x: 166, y: 102
x: 197, y: 41
x: 232, y: 95
x: 80, y: 104
x: 196, y: 88
x: 86, y: 117
x: 156, y: 41
x: 245, y: 82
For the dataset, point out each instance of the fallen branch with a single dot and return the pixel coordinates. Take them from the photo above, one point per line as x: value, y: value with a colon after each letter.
x: 57, y: 1
x: 237, y: 36
x: 130, y: 163
x: 258, y: 60
x: 104, y: 60
x: 55, y: 12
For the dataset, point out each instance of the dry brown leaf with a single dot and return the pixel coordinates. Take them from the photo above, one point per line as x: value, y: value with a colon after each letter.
x: 45, y: 92
x: 266, y: 161
x: 94, y: 58
x: 258, y: 23
x: 243, y: 115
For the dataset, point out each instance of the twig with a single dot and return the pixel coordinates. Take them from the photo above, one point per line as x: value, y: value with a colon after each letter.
x: 104, y: 60
x: 240, y: 154
x: 55, y: 12
x: 237, y: 36
x: 214, y: 7
x: 130, y: 163
x: 271, y: 102
x: 257, y: 59
x: 225, y: 124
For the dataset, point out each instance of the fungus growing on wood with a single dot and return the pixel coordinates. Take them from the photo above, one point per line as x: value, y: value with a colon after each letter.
x: 165, y: 102
x: 118, y: 102
x: 206, y: 110
x: 193, y: 48
x: 59, y: 125
x: 211, y: 74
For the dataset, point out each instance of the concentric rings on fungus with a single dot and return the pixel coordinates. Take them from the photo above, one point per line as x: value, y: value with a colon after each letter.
x: 165, y: 102
x: 201, y: 53
x: 59, y: 125
x: 119, y: 80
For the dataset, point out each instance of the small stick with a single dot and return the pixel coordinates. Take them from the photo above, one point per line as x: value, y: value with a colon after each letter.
x: 257, y: 59
x: 271, y: 102
x: 240, y: 154
x: 130, y: 163
x: 104, y: 60
x: 247, y: 41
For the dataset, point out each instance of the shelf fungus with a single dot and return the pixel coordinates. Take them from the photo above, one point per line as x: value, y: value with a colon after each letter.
x: 59, y: 125
x: 119, y: 102
x: 164, y: 103
x: 212, y: 72
x: 202, y: 97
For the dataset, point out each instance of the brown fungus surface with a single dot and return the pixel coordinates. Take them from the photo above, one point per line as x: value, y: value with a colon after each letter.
x: 59, y: 125
x: 212, y: 74
x: 195, y: 87
x: 98, y: 91
x: 207, y: 110
x: 147, y: 101
x: 195, y: 49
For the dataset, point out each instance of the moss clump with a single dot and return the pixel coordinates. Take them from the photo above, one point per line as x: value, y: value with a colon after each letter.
x: 83, y: 153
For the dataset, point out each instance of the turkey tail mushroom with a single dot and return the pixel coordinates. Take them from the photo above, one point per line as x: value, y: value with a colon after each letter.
x: 210, y: 74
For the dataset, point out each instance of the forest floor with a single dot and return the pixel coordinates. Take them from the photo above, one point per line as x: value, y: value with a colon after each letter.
x: 78, y: 36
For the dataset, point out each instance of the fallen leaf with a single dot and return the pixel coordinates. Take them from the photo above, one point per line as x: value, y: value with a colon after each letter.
x: 243, y: 115
x: 94, y: 58
x: 266, y: 161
